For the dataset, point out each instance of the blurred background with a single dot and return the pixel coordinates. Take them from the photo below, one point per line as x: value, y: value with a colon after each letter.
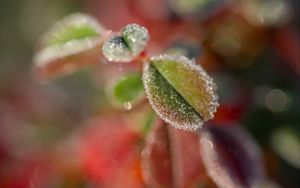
x: 51, y: 134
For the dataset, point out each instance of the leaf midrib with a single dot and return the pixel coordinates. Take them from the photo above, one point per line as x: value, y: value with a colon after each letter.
x: 176, y: 91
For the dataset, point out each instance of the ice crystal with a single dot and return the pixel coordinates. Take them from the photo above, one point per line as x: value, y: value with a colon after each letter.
x: 136, y: 38
x: 115, y: 49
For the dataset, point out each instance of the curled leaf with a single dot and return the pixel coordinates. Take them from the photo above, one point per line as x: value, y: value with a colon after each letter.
x: 71, y: 43
x: 231, y: 157
x: 180, y: 91
x: 126, y: 46
x: 128, y: 90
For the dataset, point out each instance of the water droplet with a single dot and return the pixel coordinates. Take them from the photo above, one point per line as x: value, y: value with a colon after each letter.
x: 127, y: 105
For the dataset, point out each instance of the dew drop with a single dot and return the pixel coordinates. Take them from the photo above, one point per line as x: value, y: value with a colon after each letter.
x: 127, y: 105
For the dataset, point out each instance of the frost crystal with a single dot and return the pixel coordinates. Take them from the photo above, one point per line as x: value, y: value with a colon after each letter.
x: 115, y: 49
x: 136, y: 37
x: 126, y: 46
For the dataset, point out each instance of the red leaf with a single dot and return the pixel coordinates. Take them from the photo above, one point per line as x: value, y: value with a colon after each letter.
x: 231, y: 157
x: 109, y: 151
x: 171, y: 158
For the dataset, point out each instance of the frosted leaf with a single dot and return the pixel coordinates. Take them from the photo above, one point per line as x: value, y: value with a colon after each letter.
x: 167, y: 102
x: 190, y: 81
x: 72, y: 35
x: 126, y: 46
x: 231, y: 157
x: 115, y: 49
x: 136, y: 37
x: 72, y: 27
x: 69, y: 44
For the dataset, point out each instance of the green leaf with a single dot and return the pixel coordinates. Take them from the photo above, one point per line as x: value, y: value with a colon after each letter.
x: 179, y: 91
x: 129, y: 89
x: 167, y: 102
x: 73, y: 27
x: 71, y: 33
x: 70, y: 44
